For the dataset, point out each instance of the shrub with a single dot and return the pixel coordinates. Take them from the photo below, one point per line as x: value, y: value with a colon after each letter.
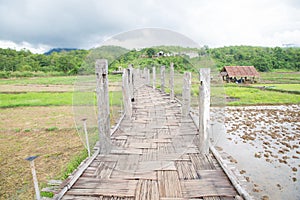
x: 4, y: 74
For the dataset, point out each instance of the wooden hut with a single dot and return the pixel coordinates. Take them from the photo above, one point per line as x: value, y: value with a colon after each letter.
x: 239, y: 74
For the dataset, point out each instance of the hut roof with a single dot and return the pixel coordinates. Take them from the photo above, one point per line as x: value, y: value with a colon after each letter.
x: 240, y: 71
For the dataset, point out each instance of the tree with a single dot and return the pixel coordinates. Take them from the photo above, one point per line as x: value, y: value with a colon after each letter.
x: 150, y: 52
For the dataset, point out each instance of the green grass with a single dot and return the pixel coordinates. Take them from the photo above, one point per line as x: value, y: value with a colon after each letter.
x: 73, y: 164
x: 47, y: 194
x: 53, y: 128
x: 35, y: 99
x: 115, y: 98
x: 285, y: 87
x: 115, y: 78
x: 280, y: 77
x: 246, y: 96
x: 53, y: 99
x: 55, y: 80
x: 253, y: 96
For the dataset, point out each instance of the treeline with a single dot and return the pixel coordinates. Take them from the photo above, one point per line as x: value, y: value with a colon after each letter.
x: 262, y: 58
x: 24, y: 63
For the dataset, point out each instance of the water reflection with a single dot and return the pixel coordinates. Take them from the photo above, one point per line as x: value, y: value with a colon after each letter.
x: 265, y: 142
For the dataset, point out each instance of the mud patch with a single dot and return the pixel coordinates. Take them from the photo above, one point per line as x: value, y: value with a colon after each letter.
x: 265, y: 142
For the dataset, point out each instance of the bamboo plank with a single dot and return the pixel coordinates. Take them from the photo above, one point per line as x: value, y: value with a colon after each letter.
x: 142, y: 145
x: 104, y: 170
x: 105, y: 187
x: 150, y: 175
x: 168, y: 184
x: 147, y: 190
x: 211, y: 183
x: 186, y: 170
x: 127, y: 162
x: 200, y: 162
x: 154, y: 165
x: 155, y: 155
x: 127, y: 151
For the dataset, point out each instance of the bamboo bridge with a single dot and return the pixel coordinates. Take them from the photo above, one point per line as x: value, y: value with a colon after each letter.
x: 157, y: 151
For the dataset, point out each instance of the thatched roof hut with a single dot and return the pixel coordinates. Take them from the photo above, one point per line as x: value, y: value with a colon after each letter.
x: 239, y: 73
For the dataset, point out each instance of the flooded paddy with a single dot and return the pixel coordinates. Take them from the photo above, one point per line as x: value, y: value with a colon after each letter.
x: 264, y: 142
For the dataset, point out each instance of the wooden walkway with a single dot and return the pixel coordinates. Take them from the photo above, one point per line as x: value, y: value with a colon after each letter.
x: 154, y: 155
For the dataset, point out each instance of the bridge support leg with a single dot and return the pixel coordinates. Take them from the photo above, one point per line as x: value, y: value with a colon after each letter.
x: 172, y: 96
x: 186, y: 94
x: 162, y: 77
x: 148, y: 76
x: 103, y: 105
x: 204, y: 110
x: 154, y: 77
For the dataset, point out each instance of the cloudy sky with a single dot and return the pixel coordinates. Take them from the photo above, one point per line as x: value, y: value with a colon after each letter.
x: 39, y: 25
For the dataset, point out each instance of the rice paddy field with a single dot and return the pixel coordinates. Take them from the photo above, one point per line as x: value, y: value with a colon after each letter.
x: 37, y: 118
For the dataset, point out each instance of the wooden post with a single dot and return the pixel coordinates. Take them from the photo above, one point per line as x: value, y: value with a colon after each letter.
x: 131, y: 81
x: 147, y: 76
x: 172, y: 81
x: 162, y: 78
x: 144, y: 72
x: 126, y: 93
x: 34, y: 177
x: 154, y: 77
x: 35, y: 181
x: 86, y: 137
x: 204, y: 109
x: 103, y: 104
x: 186, y: 94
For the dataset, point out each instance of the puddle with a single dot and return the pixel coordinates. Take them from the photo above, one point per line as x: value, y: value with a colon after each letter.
x: 265, y: 141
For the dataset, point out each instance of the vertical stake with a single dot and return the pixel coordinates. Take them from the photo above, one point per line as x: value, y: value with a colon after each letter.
x: 186, y: 94
x: 162, y: 77
x: 148, y: 76
x: 154, y: 77
x: 86, y: 136
x: 172, y: 81
x: 34, y: 177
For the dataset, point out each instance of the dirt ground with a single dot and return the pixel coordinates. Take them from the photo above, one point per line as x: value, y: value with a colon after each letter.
x: 45, y: 131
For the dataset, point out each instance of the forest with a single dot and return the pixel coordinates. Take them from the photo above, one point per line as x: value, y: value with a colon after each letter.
x: 23, y: 63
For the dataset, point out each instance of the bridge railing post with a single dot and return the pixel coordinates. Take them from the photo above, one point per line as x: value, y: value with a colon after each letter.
x: 147, y: 76
x: 154, y: 77
x: 172, y: 96
x: 162, y: 77
x: 101, y: 69
x: 186, y: 94
x: 204, y: 109
x: 131, y: 81
x: 126, y: 93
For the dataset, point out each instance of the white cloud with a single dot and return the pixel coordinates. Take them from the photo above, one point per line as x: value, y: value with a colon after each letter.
x: 40, y: 48
x: 82, y: 24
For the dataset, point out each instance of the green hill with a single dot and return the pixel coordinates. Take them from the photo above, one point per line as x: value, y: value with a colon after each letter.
x: 24, y: 63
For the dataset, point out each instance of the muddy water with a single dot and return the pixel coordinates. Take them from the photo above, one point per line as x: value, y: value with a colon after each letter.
x: 265, y: 141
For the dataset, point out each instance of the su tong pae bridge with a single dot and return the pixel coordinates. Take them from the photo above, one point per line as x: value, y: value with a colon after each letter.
x: 158, y: 150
